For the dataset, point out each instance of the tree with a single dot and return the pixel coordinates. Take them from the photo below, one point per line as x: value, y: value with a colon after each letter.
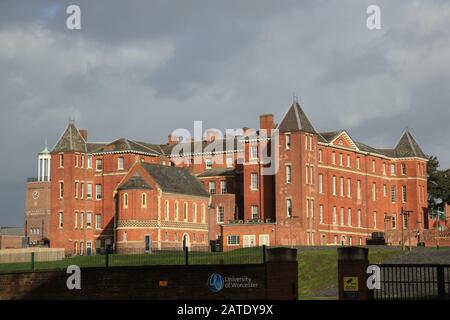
x: 438, y: 185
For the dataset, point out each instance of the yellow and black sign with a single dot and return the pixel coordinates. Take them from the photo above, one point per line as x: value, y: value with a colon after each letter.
x: 350, y: 283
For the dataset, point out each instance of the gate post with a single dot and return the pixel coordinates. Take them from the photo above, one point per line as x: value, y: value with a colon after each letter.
x: 352, y: 268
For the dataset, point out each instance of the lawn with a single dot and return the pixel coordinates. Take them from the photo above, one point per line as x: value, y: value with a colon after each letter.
x: 318, y: 271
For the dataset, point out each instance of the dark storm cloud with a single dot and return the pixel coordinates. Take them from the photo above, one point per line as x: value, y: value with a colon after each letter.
x: 140, y: 69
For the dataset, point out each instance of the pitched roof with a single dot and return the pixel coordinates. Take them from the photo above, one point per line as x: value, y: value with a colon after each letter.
x: 217, y: 173
x: 71, y: 140
x: 124, y: 144
x: 135, y: 182
x: 295, y: 120
x: 219, y: 145
x: 175, y: 180
x: 408, y: 147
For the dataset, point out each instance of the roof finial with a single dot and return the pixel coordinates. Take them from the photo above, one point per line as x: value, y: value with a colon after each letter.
x: 71, y: 120
x: 294, y: 98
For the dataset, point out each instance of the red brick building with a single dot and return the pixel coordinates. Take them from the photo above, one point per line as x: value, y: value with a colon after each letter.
x: 329, y: 189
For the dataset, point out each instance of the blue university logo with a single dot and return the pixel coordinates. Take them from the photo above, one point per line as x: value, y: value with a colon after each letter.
x: 215, y: 282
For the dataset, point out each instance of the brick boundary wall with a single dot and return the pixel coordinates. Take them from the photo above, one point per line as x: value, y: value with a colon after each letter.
x: 276, y: 279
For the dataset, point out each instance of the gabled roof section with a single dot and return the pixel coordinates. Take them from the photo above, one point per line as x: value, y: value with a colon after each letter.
x: 71, y: 140
x: 343, y: 139
x: 408, y: 147
x: 135, y: 182
x: 175, y: 180
x: 295, y: 120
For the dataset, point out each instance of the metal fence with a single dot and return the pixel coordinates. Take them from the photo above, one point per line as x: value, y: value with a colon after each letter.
x: 414, y: 282
x: 139, y: 257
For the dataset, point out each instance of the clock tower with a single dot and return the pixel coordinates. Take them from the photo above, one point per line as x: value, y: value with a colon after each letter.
x: 37, y: 202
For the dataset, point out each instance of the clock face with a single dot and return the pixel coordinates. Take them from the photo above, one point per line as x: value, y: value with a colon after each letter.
x: 35, y: 195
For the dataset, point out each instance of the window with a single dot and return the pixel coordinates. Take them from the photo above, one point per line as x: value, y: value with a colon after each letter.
x: 185, y: 211
x: 403, y: 168
x: 394, y: 221
x: 393, y: 194
x: 288, y: 140
x: 203, y: 213
x: 82, y: 220
x: 358, y: 163
x: 61, y: 219
x: 254, y: 181
x: 289, y: 208
x: 321, y: 213
x: 384, y: 169
x: 76, y: 190
x: 194, y: 212
x: 75, y: 220
x: 358, y: 189
x: 88, y: 220
x: 253, y: 152
x: 255, y: 213
x: 341, y: 159
x: 176, y: 210
x: 75, y: 248
x: 341, y: 186
x: 334, y: 215
x: 76, y: 161
x: 144, y: 200
x: 61, y: 160
x: 374, y: 167
x: 404, y: 198
x: 307, y: 174
x: 220, y: 214
x: 320, y: 183
x: 98, y: 192
x: 89, y: 191
x: 307, y: 208
x: 61, y: 189
x: 233, y: 240
x: 230, y: 162
x: 333, y: 158
x: 208, y: 163
x: 334, y: 185
x: 374, y: 219
x: 359, y: 218
x: 212, y: 187
x: 310, y: 145
x: 288, y: 174
x: 166, y: 210
x: 392, y: 169
x: 348, y: 161
x: 223, y: 186
x: 349, y: 217
x: 349, y: 187
x: 98, y: 221
x: 120, y: 163
x: 342, y: 217
x: 89, y: 161
x: 125, y: 200
x: 374, y: 191
x: 320, y: 155
x: 82, y: 160
x: 99, y: 164
x: 384, y: 191
x: 405, y: 221
x: 82, y: 191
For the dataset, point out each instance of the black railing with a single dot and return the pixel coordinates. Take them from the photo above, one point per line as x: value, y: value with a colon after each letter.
x: 413, y: 282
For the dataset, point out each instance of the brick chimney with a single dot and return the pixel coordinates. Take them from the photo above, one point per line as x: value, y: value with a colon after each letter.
x: 84, y: 134
x: 173, y: 139
x: 266, y: 121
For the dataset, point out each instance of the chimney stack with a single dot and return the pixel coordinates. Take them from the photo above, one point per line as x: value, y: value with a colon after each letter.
x: 266, y: 121
x: 84, y: 134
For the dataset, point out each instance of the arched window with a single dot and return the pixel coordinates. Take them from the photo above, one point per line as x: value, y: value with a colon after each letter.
x: 125, y: 200
x: 166, y: 210
x: 185, y: 211
x: 144, y: 200
x: 176, y: 210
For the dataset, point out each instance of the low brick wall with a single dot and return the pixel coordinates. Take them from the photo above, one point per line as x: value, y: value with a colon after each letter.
x: 24, y: 255
x: 272, y: 280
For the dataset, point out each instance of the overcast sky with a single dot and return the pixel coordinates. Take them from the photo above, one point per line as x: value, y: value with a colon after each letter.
x: 140, y: 69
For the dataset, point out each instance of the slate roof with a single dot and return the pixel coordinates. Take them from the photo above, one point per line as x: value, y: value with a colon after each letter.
x: 217, y: 173
x: 135, y: 182
x: 408, y: 147
x: 295, y: 120
x: 175, y: 180
x: 123, y: 144
x: 71, y: 140
x: 203, y: 146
